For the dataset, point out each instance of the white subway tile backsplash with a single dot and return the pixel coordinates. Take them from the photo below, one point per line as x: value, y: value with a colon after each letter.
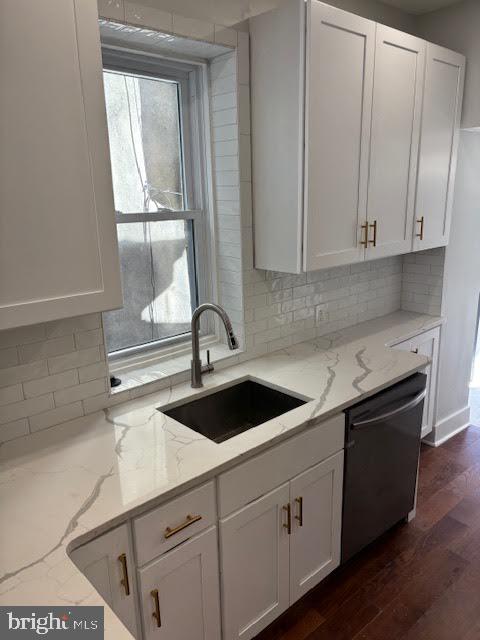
x: 45, y: 349
x: 74, y: 359
x: 11, y: 394
x: 23, y: 335
x: 8, y: 357
x: 149, y: 17
x: 12, y: 430
x: 93, y: 371
x: 55, y: 382
x: 193, y: 28
x: 225, y: 35
x: 25, y: 408
x: 23, y: 373
x: 111, y: 9
x: 224, y: 134
x: 66, y: 327
x: 224, y: 101
x: 80, y: 392
x: 55, y: 416
x: 88, y: 339
x: 224, y: 117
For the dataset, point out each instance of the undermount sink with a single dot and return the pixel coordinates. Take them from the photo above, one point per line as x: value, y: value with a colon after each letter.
x: 233, y: 410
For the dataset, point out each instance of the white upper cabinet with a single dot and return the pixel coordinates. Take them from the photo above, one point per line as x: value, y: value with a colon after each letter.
x: 442, y: 108
x: 339, y: 61
x: 58, y: 245
x: 336, y: 157
x: 397, y: 105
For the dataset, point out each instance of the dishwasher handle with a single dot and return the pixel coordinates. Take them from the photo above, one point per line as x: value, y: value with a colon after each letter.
x: 391, y: 414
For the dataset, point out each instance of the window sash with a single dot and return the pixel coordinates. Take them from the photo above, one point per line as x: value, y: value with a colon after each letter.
x: 158, y: 216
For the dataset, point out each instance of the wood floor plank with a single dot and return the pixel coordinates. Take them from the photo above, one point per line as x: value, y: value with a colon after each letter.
x: 419, y: 581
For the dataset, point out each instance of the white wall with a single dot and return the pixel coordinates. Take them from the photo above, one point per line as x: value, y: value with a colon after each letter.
x: 457, y: 27
x: 230, y: 12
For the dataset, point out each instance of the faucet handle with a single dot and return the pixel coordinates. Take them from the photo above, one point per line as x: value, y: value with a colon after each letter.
x: 206, y: 368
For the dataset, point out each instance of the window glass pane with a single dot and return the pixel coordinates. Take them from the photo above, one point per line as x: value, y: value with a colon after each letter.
x: 144, y: 128
x: 157, y: 274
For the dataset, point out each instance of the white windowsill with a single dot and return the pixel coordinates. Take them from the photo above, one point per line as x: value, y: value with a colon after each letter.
x: 167, y: 366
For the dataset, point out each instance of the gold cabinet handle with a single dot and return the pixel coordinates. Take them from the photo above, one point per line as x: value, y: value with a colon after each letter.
x: 299, y: 516
x: 421, y: 222
x: 364, y: 229
x: 288, y: 524
x: 188, y: 521
x: 374, y: 227
x: 156, y: 602
x: 122, y: 558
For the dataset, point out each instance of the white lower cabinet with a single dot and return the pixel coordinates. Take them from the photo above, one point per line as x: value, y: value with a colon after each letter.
x: 278, y: 547
x: 107, y: 562
x: 426, y: 344
x: 180, y: 597
x: 254, y: 549
x: 316, y: 498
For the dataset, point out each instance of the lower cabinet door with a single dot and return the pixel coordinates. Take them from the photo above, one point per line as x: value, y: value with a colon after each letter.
x: 254, y: 544
x: 180, y: 592
x: 316, y: 497
x: 107, y: 562
x: 427, y: 344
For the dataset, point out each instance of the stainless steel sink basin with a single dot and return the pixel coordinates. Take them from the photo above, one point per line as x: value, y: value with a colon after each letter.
x: 233, y: 410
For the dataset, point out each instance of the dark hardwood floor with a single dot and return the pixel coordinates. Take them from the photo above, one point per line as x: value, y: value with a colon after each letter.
x: 420, y: 581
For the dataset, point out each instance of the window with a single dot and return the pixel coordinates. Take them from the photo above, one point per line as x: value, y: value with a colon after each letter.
x: 154, y: 146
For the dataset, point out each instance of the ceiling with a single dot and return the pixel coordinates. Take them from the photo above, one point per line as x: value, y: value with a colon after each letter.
x: 420, y: 6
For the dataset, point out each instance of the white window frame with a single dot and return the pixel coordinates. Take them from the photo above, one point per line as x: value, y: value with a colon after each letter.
x: 197, y: 174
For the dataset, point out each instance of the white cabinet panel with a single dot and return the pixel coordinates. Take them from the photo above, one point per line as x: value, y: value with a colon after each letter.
x: 277, y: 88
x: 58, y: 246
x: 442, y: 107
x: 185, y: 582
x: 107, y: 562
x: 397, y: 103
x: 254, y: 547
x: 426, y: 344
x: 340, y: 61
x: 316, y: 498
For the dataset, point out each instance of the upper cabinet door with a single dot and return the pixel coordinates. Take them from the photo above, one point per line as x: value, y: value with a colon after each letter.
x: 442, y: 108
x: 397, y: 104
x: 339, y: 81
x: 58, y: 245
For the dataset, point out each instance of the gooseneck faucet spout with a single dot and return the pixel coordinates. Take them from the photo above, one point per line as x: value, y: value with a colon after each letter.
x: 197, y: 369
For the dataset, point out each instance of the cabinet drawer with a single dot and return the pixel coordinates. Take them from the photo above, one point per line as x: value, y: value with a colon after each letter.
x: 261, y: 474
x: 169, y: 524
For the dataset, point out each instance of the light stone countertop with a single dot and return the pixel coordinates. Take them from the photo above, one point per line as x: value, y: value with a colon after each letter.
x: 65, y: 485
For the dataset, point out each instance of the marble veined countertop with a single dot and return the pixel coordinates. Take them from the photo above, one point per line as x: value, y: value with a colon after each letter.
x: 67, y: 484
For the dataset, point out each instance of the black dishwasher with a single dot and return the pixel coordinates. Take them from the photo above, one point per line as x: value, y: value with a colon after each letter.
x: 382, y: 445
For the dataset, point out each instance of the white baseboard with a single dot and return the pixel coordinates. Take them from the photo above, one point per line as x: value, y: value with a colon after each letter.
x: 448, y: 427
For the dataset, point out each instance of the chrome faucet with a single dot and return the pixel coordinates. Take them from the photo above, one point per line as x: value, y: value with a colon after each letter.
x: 197, y: 367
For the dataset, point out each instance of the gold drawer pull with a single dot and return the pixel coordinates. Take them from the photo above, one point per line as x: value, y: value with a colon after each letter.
x: 374, y: 227
x: 299, y: 517
x: 288, y: 525
x: 156, y: 602
x: 124, y: 581
x: 364, y: 228
x: 188, y: 521
x: 421, y: 222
